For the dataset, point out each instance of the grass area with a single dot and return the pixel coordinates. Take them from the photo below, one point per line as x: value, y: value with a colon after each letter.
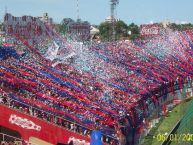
x: 166, y: 124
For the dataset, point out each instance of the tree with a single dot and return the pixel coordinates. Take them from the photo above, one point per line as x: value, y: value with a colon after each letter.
x: 63, y: 25
x: 120, y: 30
x: 135, y: 32
x: 66, y: 21
x: 174, y: 26
x: 181, y: 27
x: 62, y: 28
x: 106, y: 30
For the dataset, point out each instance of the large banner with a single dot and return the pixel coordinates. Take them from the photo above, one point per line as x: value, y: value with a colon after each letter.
x: 29, y: 126
x: 150, y: 29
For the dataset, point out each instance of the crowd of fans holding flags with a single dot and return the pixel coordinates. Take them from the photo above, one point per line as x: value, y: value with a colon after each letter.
x: 111, y: 86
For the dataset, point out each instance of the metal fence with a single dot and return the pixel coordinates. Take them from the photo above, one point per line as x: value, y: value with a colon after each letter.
x: 184, y: 134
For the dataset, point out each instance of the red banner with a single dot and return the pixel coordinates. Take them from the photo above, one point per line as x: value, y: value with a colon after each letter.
x: 150, y: 29
x: 29, y: 126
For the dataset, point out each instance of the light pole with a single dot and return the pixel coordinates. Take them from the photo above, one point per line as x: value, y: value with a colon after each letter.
x: 114, y: 3
x: 77, y: 10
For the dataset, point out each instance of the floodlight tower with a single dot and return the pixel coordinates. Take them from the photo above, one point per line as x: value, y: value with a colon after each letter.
x: 114, y: 4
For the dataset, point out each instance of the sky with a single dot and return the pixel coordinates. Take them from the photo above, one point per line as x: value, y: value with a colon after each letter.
x: 95, y: 11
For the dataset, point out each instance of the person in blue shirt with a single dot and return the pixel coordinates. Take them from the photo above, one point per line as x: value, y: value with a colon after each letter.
x: 96, y: 137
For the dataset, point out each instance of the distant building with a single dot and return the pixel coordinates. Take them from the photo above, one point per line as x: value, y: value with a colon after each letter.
x: 93, y: 31
x: 109, y: 19
x: 79, y: 30
x: 165, y: 23
x: 45, y: 18
x: 27, y: 27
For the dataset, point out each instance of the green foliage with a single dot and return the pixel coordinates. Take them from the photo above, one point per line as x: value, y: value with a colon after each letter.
x: 62, y: 29
x: 66, y: 21
x: 1, y: 26
x: 120, y: 29
x: 63, y: 26
x: 134, y: 29
x: 167, y: 123
x: 134, y: 36
x: 105, y: 31
x: 181, y: 27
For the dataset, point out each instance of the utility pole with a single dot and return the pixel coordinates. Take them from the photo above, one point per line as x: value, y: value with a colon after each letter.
x: 5, y: 24
x: 113, y: 4
x: 5, y: 9
x: 77, y: 9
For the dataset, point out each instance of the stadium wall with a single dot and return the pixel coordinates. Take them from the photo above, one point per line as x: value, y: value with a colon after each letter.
x: 29, y: 126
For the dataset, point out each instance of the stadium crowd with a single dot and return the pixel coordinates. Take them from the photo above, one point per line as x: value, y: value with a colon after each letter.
x: 109, y: 86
